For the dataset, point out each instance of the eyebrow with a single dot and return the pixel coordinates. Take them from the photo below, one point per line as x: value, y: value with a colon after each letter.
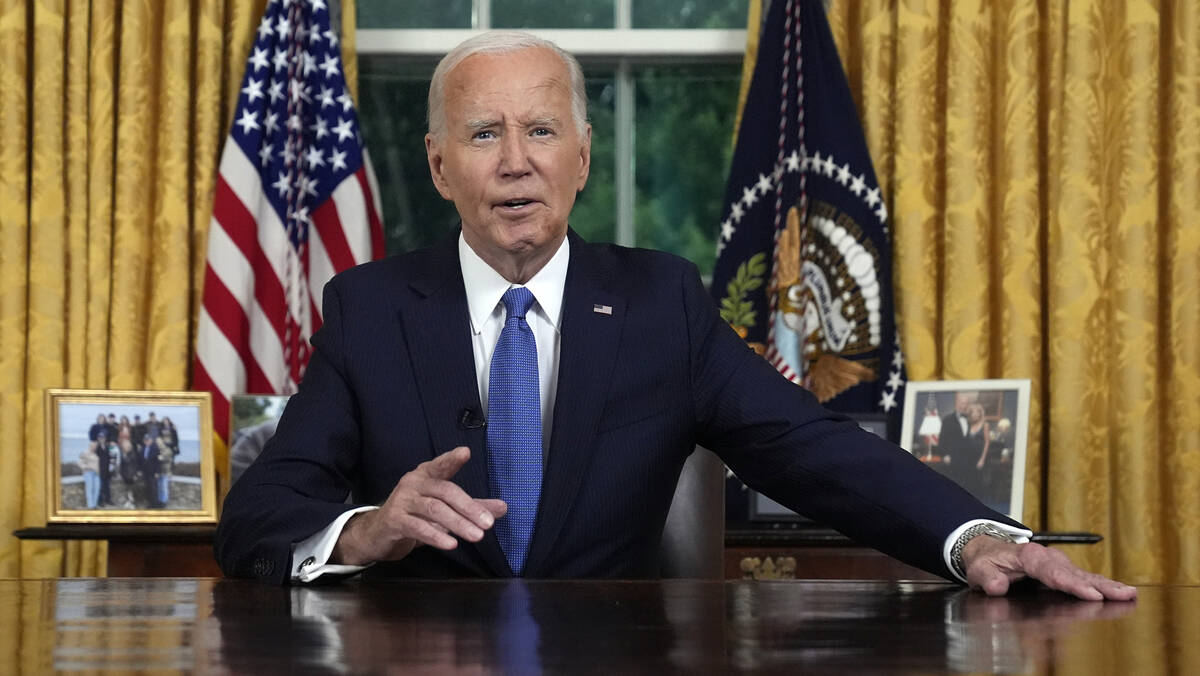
x: 477, y: 125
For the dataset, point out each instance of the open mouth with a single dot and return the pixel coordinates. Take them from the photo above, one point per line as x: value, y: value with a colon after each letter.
x: 515, y: 203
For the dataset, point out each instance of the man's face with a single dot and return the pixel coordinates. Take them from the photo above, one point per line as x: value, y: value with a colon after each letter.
x: 510, y: 156
x: 962, y: 401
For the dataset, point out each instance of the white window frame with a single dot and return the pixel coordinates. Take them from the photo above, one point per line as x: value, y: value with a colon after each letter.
x: 621, y: 45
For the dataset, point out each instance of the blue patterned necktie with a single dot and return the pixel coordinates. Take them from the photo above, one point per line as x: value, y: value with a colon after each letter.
x: 514, y: 429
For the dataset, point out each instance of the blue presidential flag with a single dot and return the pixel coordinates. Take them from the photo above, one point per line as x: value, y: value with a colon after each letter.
x: 804, y: 268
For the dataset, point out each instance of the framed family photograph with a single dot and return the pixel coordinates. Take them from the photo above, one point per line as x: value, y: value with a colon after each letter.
x: 129, y: 457
x: 975, y: 433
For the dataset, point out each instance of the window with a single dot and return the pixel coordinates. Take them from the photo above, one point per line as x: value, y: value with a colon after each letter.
x: 662, y: 83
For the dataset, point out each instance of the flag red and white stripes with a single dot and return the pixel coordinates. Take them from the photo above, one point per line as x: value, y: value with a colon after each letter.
x: 295, y: 202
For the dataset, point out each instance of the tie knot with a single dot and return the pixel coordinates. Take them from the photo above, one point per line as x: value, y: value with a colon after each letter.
x: 517, y: 301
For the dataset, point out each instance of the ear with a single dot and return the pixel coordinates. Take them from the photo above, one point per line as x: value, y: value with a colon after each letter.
x: 585, y: 158
x: 433, y: 153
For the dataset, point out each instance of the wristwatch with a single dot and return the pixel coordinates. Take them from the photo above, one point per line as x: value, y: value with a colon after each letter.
x: 956, y: 552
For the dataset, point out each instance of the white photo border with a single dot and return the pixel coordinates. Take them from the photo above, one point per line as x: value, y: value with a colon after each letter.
x: 1022, y: 387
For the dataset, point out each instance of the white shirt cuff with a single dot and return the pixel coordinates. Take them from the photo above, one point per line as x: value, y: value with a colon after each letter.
x: 1019, y: 534
x: 310, y: 555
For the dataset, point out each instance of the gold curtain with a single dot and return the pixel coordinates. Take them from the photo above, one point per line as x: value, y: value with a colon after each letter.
x: 114, y: 114
x: 1042, y: 164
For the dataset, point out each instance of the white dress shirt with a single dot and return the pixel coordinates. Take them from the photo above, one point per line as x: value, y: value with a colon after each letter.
x: 484, y: 287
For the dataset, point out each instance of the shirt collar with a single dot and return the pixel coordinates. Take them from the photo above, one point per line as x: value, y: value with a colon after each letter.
x: 485, y: 286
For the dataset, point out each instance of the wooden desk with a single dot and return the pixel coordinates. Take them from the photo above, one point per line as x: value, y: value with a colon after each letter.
x: 236, y: 626
x: 815, y: 552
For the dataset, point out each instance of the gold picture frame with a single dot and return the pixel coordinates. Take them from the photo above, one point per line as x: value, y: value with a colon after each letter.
x: 149, y: 462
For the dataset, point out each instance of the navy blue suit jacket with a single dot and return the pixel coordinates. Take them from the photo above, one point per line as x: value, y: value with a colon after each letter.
x: 392, y: 374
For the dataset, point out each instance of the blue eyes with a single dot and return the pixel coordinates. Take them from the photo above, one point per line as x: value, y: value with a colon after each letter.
x: 487, y: 135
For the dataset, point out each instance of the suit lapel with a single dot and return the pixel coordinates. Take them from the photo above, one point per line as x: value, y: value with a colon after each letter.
x: 437, y: 330
x: 591, y: 332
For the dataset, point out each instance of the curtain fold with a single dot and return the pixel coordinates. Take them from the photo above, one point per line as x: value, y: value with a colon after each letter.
x: 1042, y: 160
x: 115, y: 114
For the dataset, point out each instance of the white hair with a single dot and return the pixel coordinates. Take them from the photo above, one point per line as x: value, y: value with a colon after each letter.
x: 503, y: 42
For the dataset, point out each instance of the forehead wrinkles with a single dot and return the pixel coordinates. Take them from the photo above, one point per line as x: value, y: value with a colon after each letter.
x: 494, y: 100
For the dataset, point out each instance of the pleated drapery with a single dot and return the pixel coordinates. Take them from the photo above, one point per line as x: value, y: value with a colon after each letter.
x: 1042, y: 165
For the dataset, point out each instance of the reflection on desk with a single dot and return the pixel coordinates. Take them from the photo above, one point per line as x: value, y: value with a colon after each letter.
x: 235, y: 626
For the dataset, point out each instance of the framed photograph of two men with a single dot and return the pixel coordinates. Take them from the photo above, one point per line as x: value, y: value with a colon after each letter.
x: 129, y: 457
x: 974, y: 432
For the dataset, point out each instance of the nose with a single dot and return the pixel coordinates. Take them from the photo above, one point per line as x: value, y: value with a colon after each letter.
x: 514, y: 160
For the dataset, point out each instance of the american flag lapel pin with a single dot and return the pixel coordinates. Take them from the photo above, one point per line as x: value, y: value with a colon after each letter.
x: 602, y: 309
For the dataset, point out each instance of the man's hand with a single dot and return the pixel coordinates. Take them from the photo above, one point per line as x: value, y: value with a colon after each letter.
x: 992, y: 565
x: 425, y: 507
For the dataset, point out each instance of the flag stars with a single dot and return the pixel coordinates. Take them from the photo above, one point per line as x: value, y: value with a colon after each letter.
x: 264, y: 154
x: 325, y: 97
x: 830, y: 167
x: 253, y: 89
x: 276, y: 91
x: 248, y: 122
x: 308, y: 185
x: 330, y: 65
x: 343, y: 130
x: 310, y: 62
x: 265, y: 30
x: 284, y: 183
x: 844, y: 174
x: 294, y: 122
x: 282, y: 27
x: 331, y: 37
x: 320, y: 128
x: 727, y: 230
x: 764, y: 184
x: 749, y: 196
x: 888, y: 401
x: 736, y: 212
x: 281, y: 60
x: 315, y: 158
x: 894, y: 380
x: 338, y: 159
x: 271, y: 123
x: 793, y: 162
x: 872, y: 197
x: 881, y: 212
x: 858, y: 185
x: 259, y: 59
x: 344, y: 99
x: 317, y: 5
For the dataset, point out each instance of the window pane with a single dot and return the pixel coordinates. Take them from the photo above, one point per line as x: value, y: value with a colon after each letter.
x: 414, y: 14
x: 553, y: 13
x: 595, y: 214
x: 689, y: 13
x: 684, y: 128
x: 393, y: 92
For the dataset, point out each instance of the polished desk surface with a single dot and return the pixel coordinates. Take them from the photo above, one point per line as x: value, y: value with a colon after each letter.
x: 206, y: 625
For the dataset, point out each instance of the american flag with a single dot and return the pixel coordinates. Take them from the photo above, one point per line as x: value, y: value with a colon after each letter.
x: 296, y: 202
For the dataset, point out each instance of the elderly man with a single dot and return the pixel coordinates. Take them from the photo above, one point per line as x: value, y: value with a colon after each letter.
x: 517, y: 401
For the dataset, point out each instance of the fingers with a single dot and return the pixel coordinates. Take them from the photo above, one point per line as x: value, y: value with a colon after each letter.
x: 447, y: 464
x: 1053, y: 569
x: 427, y: 507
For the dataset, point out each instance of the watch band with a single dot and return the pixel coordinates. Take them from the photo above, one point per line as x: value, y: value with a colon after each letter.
x: 956, y: 552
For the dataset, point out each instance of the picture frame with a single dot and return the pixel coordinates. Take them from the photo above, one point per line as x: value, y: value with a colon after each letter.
x: 990, y: 453
x: 763, y: 509
x: 252, y: 422
x: 104, y: 473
